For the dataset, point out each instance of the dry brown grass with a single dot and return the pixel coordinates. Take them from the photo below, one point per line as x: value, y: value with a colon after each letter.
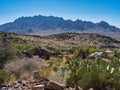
x: 24, y: 68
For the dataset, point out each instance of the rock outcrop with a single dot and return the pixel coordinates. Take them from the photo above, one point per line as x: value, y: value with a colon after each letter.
x: 42, y: 53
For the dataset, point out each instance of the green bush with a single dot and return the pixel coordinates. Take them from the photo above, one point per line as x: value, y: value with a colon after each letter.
x: 83, y: 52
x: 4, y: 76
x: 24, y: 46
x: 19, y: 47
x: 117, y: 54
x: 58, y: 51
x: 72, y: 50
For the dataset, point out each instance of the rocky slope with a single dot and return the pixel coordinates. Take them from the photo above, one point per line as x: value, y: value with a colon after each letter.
x: 68, y: 40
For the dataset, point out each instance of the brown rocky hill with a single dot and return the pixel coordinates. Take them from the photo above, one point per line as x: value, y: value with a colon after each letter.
x: 68, y: 40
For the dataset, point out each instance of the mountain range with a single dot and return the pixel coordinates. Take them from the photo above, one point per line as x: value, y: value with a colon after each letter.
x: 48, y: 25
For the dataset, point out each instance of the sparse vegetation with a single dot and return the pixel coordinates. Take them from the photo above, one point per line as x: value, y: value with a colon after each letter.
x: 73, y: 68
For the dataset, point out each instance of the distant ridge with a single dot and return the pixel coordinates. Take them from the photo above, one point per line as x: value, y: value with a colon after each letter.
x: 48, y: 25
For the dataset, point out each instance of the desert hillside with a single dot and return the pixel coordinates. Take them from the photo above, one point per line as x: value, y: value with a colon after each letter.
x: 60, y: 61
x: 68, y: 40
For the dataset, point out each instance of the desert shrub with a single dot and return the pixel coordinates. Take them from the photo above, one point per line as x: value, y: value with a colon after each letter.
x: 72, y: 50
x: 83, y: 52
x: 18, y: 67
x: 4, y: 76
x: 54, y: 63
x: 24, y: 46
x: 44, y: 73
x: 58, y: 51
x: 60, y: 74
x: 55, y: 67
x: 117, y: 54
x: 19, y: 47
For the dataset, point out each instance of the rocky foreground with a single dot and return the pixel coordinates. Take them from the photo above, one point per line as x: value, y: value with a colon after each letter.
x: 35, y: 85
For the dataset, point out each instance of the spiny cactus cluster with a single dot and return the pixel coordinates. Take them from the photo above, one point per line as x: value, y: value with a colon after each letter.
x: 99, y: 75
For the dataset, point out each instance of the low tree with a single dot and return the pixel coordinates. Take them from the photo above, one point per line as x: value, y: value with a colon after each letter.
x: 6, y: 50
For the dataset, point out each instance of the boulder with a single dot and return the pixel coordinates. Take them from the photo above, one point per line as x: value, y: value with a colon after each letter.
x: 38, y: 87
x: 52, y: 85
x: 2, y: 86
x: 95, y: 54
x: 27, y: 53
x: 56, y: 54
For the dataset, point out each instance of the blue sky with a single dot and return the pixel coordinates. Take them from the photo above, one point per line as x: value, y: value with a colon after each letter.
x: 88, y: 10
